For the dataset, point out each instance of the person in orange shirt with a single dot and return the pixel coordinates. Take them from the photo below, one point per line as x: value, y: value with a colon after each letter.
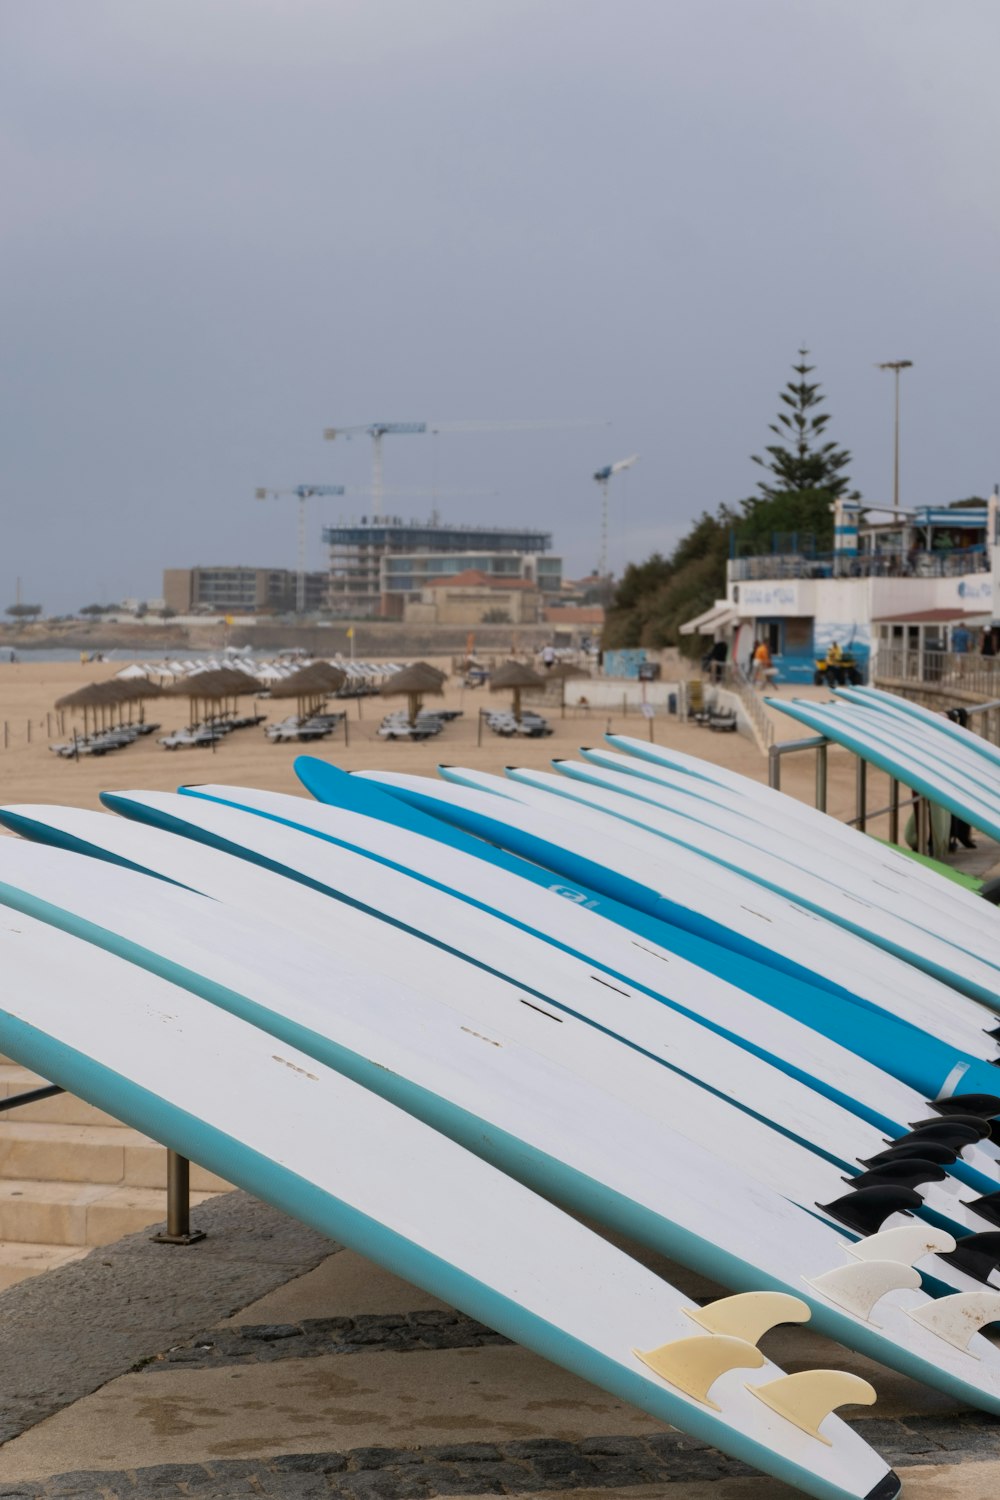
x: 762, y: 667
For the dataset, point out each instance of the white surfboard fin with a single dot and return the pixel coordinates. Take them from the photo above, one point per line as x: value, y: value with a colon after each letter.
x: 749, y: 1315
x: 858, y: 1287
x: 907, y: 1243
x: 809, y: 1396
x: 958, y: 1317
x: 694, y: 1365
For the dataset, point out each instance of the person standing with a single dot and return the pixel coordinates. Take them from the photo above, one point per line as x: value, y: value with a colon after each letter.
x: 762, y: 667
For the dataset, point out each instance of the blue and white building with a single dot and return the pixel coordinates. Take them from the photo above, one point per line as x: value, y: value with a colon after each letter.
x: 927, y: 579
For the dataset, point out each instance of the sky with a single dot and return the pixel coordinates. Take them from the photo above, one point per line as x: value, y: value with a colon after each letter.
x: 228, y: 224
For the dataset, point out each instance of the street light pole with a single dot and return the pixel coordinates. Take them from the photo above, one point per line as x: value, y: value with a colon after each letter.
x: 896, y: 365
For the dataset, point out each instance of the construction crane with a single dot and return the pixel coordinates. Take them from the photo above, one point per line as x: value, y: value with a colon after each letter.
x: 603, y: 477
x: 302, y: 493
x: 305, y: 492
x: 379, y: 430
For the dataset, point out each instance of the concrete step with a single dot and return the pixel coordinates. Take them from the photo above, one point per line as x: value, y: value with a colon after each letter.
x: 62, y: 1109
x: 80, y: 1214
x: 20, y: 1260
x: 89, y: 1153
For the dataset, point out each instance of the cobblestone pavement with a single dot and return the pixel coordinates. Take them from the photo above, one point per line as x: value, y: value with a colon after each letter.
x: 136, y: 1307
x: 389, y: 1333
x: 517, y: 1468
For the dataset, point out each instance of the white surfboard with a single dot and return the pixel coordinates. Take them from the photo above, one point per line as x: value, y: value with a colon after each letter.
x: 709, y: 893
x: 597, y: 962
x: 875, y: 920
x: 195, y: 1077
x: 577, y: 1074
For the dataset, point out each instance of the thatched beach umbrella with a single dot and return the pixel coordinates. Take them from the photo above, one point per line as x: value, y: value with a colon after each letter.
x: 514, y: 677
x: 414, y: 683
x: 311, y: 685
x: 99, y: 701
x: 215, y: 689
x: 561, y: 673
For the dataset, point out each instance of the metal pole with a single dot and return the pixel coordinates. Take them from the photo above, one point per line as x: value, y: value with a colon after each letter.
x: 895, y: 455
x: 923, y: 825
x: 774, y: 767
x: 179, y: 1231
x: 821, y: 777
x: 893, y: 810
x: 300, y: 582
x: 861, y: 793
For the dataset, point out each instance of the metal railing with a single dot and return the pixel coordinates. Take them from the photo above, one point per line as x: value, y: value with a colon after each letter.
x: 951, y: 563
x: 970, y: 673
x: 752, y: 703
x: 178, y: 1230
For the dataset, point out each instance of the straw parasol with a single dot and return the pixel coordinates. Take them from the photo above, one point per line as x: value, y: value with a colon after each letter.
x: 514, y: 677
x: 561, y: 673
x: 102, y: 699
x: 311, y: 685
x: 414, y: 683
x: 213, y: 688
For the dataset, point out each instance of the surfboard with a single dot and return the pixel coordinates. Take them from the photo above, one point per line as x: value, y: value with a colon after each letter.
x: 195, y: 1078
x: 966, y: 739
x: 876, y: 920
x: 629, y: 958
x: 159, y: 1057
x: 952, y: 791
x: 857, y: 866
x: 413, y: 1031
x: 627, y: 863
x: 951, y: 753
x: 785, y: 810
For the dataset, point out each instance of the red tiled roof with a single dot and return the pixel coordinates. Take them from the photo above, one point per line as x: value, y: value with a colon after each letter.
x: 929, y: 616
x: 574, y: 614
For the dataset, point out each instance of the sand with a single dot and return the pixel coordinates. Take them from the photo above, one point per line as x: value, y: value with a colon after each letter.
x: 29, y: 772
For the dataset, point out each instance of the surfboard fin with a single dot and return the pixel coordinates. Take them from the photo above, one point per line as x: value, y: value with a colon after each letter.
x: 858, y: 1287
x: 694, y: 1365
x: 983, y: 1106
x: 749, y: 1315
x: 958, y: 1317
x: 906, y: 1243
x: 866, y: 1209
x: 808, y: 1397
x: 935, y: 1151
x: 987, y: 1206
x: 950, y: 1130
x: 977, y: 1255
x: 904, y: 1171
x: 980, y: 1127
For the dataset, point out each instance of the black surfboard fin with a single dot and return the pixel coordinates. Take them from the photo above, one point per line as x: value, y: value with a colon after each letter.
x: 907, y: 1171
x: 926, y: 1150
x: 981, y: 1106
x: 867, y: 1209
x: 977, y: 1255
x: 976, y: 1128
x: 948, y: 1133
x: 987, y: 1206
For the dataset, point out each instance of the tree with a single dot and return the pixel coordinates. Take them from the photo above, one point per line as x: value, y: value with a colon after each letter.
x: 23, y: 611
x: 809, y: 464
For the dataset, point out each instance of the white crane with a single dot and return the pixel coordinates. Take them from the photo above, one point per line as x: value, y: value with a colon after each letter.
x: 379, y: 430
x: 603, y: 477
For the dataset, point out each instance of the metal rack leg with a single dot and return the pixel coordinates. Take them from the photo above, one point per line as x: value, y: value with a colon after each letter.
x: 178, y: 1231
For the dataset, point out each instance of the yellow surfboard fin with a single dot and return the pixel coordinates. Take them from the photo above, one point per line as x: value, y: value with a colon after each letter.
x: 811, y: 1395
x: 694, y: 1365
x: 749, y: 1315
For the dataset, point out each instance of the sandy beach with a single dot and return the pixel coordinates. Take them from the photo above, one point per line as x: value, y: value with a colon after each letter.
x: 29, y: 772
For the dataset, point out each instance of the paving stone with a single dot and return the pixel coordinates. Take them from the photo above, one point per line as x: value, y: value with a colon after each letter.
x: 309, y: 1463
x: 450, y: 1453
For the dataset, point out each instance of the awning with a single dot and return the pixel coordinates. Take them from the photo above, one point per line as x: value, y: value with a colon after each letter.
x: 722, y: 616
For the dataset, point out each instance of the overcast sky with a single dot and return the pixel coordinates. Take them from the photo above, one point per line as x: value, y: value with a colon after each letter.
x: 227, y: 224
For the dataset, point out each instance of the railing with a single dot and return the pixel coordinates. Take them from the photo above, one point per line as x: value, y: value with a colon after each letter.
x: 178, y: 1230
x: 951, y: 563
x: 973, y: 674
x: 752, y: 702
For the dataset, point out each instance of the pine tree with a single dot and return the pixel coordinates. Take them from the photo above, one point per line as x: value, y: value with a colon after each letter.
x: 808, y: 464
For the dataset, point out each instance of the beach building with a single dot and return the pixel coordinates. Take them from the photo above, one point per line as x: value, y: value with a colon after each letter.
x: 239, y: 590
x: 380, y: 563
x: 922, y: 581
x: 474, y: 597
